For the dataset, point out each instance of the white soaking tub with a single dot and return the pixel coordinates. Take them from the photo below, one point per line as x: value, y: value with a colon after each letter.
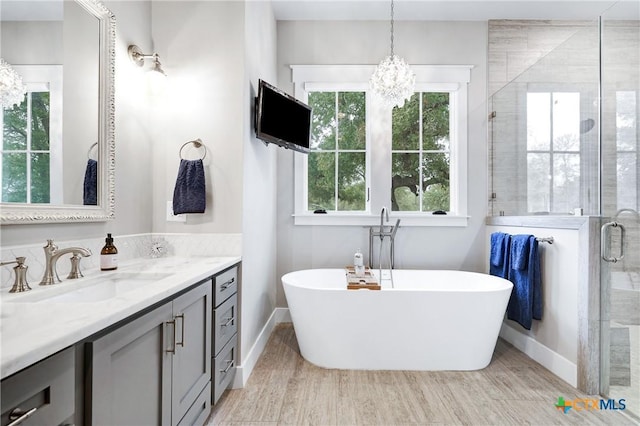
x: 430, y: 320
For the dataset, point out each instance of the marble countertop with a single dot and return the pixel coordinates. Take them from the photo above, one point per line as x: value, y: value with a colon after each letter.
x: 45, y: 320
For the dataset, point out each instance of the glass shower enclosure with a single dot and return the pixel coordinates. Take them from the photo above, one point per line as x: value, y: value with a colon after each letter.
x: 620, y: 203
x: 564, y: 139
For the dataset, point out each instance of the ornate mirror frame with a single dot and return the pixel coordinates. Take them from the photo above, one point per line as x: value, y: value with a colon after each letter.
x: 105, y: 210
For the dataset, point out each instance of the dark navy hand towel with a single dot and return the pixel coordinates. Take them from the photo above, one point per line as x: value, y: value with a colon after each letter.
x: 525, y: 302
x: 189, y: 195
x: 536, y: 278
x: 90, y: 186
x: 499, y: 258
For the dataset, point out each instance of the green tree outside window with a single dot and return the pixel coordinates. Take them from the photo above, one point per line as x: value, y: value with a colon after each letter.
x: 337, y: 161
x: 421, y: 154
x: 26, y: 150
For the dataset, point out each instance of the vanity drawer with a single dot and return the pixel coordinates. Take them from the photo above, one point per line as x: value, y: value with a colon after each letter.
x: 224, y: 285
x: 46, y: 388
x: 200, y: 410
x: 224, y: 368
x: 225, y: 323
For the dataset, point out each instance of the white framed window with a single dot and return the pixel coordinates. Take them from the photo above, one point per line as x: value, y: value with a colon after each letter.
x: 337, y: 178
x: 412, y: 160
x: 31, y: 139
x: 553, y: 151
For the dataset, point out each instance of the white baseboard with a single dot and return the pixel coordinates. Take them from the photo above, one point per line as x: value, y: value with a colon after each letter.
x: 243, y: 371
x: 552, y: 361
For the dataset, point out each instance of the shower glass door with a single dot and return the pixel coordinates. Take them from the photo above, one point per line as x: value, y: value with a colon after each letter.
x: 620, y: 203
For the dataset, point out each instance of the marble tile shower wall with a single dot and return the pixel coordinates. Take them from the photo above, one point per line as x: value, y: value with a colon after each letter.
x: 130, y: 247
x: 621, y: 78
x: 529, y: 56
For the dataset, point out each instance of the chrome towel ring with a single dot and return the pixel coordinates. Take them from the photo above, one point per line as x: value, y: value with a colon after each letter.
x: 198, y: 144
x: 89, y: 150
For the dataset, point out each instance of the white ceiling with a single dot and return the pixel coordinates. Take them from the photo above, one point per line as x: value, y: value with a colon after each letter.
x: 446, y: 10
x: 415, y: 10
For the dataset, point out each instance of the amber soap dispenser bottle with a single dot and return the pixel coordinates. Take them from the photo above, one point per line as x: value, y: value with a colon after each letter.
x: 108, y: 255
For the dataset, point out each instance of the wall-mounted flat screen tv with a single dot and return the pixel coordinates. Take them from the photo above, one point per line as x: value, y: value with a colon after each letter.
x: 282, y: 119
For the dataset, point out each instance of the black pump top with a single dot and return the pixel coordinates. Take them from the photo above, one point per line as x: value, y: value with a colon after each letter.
x: 109, y: 239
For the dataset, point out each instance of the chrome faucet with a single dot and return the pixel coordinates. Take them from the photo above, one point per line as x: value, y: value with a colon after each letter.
x: 383, y: 232
x: 52, y: 254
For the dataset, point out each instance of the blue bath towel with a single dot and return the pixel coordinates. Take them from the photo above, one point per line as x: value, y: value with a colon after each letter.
x: 499, y: 259
x: 90, y: 186
x: 525, y: 302
x: 189, y: 195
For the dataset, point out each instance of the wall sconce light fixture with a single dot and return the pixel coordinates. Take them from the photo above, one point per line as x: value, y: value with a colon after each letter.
x: 156, y: 74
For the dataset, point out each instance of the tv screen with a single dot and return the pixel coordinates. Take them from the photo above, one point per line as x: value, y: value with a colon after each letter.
x: 282, y: 119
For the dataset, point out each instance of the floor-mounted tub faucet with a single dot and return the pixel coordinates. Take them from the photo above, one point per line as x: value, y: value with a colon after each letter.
x: 383, y: 232
x: 52, y: 254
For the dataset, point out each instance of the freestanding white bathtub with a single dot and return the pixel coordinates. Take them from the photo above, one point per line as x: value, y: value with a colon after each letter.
x: 430, y: 320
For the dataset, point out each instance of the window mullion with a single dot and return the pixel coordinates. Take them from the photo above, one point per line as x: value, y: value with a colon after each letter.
x: 335, y: 168
x: 380, y: 151
x: 420, y: 152
x: 28, y: 147
x: 551, y: 177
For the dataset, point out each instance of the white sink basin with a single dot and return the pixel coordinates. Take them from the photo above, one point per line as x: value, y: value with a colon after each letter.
x: 95, y: 289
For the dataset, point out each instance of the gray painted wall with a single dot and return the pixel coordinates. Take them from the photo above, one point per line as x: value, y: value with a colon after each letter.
x: 432, y: 43
x: 214, y: 53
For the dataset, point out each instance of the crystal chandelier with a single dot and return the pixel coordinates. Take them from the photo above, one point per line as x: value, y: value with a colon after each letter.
x: 393, y: 81
x: 12, y: 89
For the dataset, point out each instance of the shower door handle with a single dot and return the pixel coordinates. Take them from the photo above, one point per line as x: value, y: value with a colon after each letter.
x: 605, y: 238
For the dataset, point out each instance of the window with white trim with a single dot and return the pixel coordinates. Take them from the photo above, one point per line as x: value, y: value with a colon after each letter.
x: 336, y: 171
x: 420, y: 154
x: 30, y: 142
x: 365, y: 156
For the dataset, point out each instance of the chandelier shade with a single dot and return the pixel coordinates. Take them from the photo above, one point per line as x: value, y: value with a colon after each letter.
x: 12, y: 89
x: 393, y: 81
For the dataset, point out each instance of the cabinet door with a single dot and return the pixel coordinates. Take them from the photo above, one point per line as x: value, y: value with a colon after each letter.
x: 130, y: 372
x: 192, y: 360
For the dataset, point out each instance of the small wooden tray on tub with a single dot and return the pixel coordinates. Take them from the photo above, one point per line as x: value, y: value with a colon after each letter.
x: 368, y: 282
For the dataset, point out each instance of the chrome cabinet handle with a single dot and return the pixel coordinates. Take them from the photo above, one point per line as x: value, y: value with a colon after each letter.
x: 230, y: 364
x: 17, y: 416
x: 226, y: 285
x: 605, y: 238
x: 229, y: 322
x: 181, y: 316
x: 173, y: 350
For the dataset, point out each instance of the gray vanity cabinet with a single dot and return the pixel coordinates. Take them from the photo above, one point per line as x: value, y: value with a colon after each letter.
x: 191, y: 371
x: 225, y: 331
x: 130, y: 372
x: 42, y: 394
x: 154, y: 369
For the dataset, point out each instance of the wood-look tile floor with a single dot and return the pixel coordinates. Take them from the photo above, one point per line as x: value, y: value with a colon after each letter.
x: 284, y: 389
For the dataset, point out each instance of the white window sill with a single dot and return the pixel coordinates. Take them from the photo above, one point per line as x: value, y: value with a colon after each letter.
x: 363, y: 219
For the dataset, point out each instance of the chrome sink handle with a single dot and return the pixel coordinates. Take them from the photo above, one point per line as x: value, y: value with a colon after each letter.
x: 20, y: 284
x: 75, y: 267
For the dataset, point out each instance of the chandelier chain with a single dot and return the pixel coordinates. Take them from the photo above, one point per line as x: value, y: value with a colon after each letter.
x: 391, y: 28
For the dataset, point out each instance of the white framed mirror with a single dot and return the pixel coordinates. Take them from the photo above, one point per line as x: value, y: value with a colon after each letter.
x: 57, y: 150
